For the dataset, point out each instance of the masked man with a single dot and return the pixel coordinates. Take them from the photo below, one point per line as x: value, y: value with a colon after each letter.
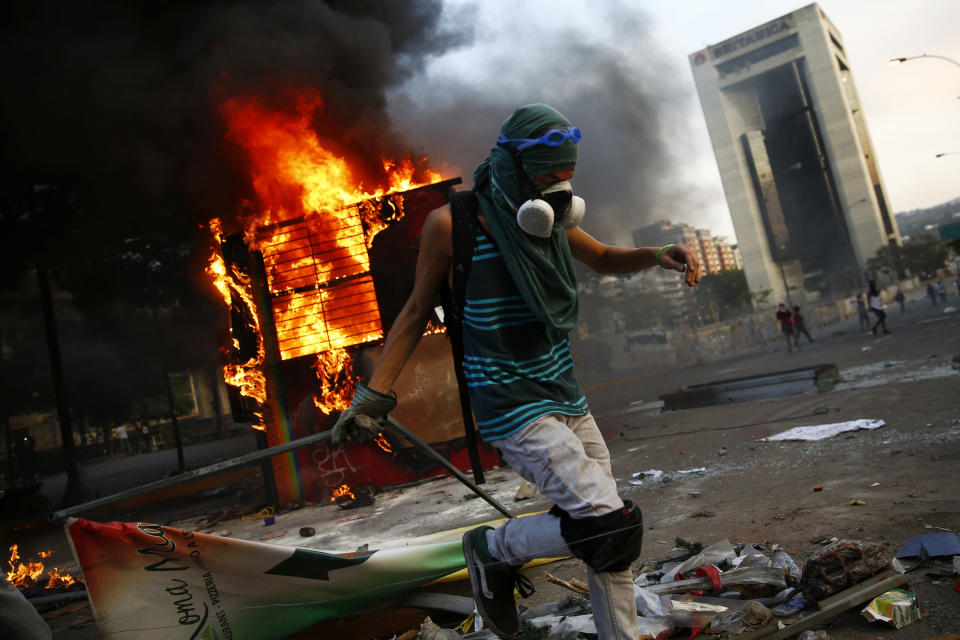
x: 521, y: 301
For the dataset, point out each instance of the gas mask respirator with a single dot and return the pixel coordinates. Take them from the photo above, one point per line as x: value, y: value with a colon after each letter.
x: 554, y: 205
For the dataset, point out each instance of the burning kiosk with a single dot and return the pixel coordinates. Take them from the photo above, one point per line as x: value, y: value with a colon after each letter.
x: 311, y: 299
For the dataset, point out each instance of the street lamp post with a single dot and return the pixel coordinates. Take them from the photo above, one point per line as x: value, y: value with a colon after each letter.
x: 896, y: 62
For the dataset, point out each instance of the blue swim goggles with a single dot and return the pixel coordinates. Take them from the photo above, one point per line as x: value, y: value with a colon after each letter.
x: 552, y: 138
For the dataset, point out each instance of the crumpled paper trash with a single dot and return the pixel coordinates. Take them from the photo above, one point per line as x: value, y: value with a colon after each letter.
x: 895, y: 607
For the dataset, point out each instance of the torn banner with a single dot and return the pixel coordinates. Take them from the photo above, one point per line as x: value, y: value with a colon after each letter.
x: 150, y: 581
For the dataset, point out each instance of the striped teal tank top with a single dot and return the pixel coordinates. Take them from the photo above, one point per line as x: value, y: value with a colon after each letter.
x: 517, y: 368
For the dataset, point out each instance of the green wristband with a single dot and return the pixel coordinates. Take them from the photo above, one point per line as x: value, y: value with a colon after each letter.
x: 659, y: 251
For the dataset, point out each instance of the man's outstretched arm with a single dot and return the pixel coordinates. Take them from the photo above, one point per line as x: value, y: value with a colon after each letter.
x: 609, y: 259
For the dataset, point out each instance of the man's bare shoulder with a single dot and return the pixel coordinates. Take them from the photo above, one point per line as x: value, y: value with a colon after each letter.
x: 437, y: 230
x: 440, y: 216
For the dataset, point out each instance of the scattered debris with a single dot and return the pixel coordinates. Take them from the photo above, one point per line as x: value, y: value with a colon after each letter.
x: 641, y: 478
x: 818, y: 378
x: 347, y: 498
x: 655, y: 476
x: 688, y: 472
x: 856, y: 503
x: 931, y: 545
x: 430, y: 631
x: 702, y: 514
x: 350, y: 518
x: 823, y: 431
x: 839, y: 566
x: 745, y: 580
x: 755, y: 614
x: 896, y: 607
x: 70, y: 608
x: 577, y: 586
x: 209, y: 523
x: 263, y: 514
x: 274, y: 534
x: 525, y: 491
x: 818, y: 487
x: 307, y: 532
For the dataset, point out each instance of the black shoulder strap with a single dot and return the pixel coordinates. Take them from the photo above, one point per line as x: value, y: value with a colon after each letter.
x: 463, y: 211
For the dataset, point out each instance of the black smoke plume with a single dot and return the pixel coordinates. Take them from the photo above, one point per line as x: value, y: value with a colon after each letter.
x: 122, y: 97
x: 599, y: 65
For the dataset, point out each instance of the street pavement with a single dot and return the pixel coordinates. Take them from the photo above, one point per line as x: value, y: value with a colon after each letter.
x: 116, y: 473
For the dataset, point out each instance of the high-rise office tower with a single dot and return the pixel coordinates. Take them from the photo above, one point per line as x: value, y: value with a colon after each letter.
x: 795, y: 158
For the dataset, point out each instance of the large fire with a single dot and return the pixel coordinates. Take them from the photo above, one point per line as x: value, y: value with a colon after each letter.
x: 316, y: 219
x: 28, y: 574
x: 235, y: 287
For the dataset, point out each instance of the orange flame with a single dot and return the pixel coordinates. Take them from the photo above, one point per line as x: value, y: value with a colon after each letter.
x: 317, y: 215
x: 334, y: 369
x: 233, y: 286
x: 383, y: 443
x: 58, y: 579
x: 343, y: 491
x: 295, y: 173
x: 27, y: 574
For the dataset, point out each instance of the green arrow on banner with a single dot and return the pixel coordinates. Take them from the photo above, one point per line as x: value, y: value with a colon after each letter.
x: 315, y: 565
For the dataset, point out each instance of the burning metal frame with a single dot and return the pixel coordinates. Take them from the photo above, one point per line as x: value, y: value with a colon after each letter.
x: 315, y: 292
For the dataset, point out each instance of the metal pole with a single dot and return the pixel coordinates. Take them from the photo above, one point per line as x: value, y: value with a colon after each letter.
x: 415, y: 440
x: 264, y: 454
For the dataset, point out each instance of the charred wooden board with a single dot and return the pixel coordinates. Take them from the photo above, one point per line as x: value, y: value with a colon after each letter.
x: 818, y: 378
x: 833, y: 606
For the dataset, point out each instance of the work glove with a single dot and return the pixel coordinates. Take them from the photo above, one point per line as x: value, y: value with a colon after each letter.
x: 361, y: 421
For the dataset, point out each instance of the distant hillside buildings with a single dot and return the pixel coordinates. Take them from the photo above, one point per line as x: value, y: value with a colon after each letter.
x: 716, y: 254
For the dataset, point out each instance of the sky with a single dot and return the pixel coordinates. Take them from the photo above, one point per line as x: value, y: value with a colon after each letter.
x: 620, y: 71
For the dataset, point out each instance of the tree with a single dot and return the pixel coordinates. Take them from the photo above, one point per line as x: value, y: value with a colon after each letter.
x: 726, y: 291
x: 645, y: 310
x: 922, y: 256
x: 845, y: 280
x: 133, y: 273
x: 38, y: 220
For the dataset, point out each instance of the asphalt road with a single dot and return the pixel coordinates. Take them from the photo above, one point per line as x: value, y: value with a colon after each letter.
x: 115, y: 473
x: 922, y: 328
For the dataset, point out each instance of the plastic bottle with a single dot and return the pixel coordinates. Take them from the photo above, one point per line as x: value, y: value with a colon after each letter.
x: 782, y: 560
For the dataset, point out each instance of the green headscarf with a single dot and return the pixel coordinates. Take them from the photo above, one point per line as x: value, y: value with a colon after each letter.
x: 541, y: 267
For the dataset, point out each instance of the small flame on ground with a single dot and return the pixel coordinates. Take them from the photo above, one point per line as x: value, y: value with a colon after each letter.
x: 28, y: 574
x: 343, y: 491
